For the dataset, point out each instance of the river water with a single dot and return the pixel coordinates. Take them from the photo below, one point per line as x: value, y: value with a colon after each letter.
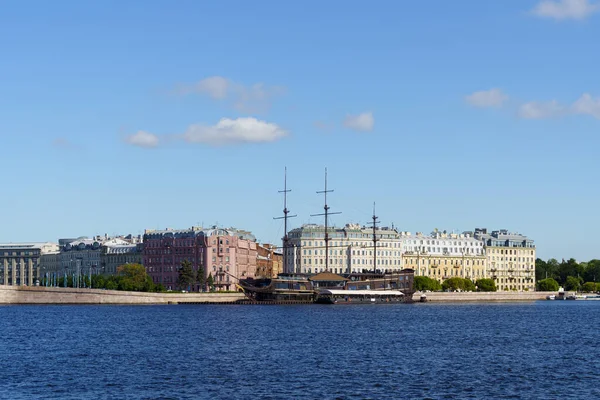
x: 540, y: 350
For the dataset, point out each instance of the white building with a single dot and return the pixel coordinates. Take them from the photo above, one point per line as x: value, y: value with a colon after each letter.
x: 351, y: 250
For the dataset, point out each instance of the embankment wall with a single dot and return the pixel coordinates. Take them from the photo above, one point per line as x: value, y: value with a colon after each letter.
x: 482, y: 296
x: 44, y: 295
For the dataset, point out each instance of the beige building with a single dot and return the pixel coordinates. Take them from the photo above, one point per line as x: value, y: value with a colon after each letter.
x: 510, y: 259
x: 20, y: 262
x: 442, y: 255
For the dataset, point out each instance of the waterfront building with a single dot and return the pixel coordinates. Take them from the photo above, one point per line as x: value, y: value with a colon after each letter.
x: 443, y: 255
x: 85, y: 256
x: 269, y: 262
x: 225, y: 254
x: 20, y: 262
x: 118, y: 252
x: 510, y: 258
x: 351, y: 250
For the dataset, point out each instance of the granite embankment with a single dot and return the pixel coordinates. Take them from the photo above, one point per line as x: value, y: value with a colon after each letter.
x: 44, y: 295
x: 447, y: 297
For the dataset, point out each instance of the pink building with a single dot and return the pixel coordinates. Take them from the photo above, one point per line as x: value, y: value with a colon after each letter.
x: 226, y: 254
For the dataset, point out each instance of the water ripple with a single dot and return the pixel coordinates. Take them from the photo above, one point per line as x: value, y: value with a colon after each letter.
x: 540, y: 350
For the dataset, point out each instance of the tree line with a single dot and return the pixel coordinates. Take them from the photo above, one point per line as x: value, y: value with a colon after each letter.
x: 133, y: 277
x: 423, y: 283
x: 571, y: 275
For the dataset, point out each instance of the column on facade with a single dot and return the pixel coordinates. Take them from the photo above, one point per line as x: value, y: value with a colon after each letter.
x: 22, y: 272
x: 30, y: 275
x: 14, y: 272
x: 5, y: 280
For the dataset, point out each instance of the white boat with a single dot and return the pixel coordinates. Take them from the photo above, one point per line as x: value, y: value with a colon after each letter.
x: 551, y: 297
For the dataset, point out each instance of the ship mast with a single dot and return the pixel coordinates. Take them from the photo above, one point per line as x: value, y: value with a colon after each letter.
x: 375, y: 240
x: 326, y: 214
x: 285, y: 217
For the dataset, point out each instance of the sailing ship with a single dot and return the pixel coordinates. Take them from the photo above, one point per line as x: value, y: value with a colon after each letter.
x: 374, y: 287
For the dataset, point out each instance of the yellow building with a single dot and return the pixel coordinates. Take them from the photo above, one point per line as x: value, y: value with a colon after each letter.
x: 442, y: 255
x: 510, y: 259
x: 444, y: 266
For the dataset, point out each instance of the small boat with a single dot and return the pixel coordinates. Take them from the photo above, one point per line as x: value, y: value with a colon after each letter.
x: 593, y: 297
x: 551, y: 297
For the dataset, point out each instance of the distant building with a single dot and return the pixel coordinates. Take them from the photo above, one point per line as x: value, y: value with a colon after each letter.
x: 510, y: 259
x: 96, y: 256
x: 21, y: 262
x: 225, y: 254
x: 115, y: 253
x: 269, y: 263
x: 442, y: 255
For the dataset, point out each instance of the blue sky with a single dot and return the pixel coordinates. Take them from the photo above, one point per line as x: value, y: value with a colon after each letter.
x: 120, y: 116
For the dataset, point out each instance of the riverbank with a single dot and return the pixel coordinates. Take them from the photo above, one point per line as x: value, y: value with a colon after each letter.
x: 44, y: 295
x: 449, y: 297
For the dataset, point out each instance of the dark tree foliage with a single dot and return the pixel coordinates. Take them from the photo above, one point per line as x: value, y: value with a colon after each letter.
x: 187, y: 276
x: 486, y: 285
x: 547, y: 285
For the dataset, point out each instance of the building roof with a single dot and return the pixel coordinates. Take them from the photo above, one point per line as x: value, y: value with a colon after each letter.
x: 26, y: 245
x: 327, y: 276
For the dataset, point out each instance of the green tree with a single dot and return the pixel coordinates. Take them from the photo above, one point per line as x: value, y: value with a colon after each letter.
x: 200, y: 278
x: 455, y: 283
x: 187, y: 277
x: 547, y: 285
x: 210, y: 282
x: 588, y: 287
x: 468, y: 285
x: 572, y: 283
x: 131, y: 277
x: 422, y: 283
x: 541, y: 269
x: 566, y: 269
x: 592, y: 271
x: 551, y: 268
x: 486, y: 285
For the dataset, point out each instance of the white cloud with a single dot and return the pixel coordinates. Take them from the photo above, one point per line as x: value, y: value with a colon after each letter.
x: 232, y: 131
x: 253, y: 98
x: 487, y: 98
x: 143, y: 139
x: 541, y: 110
x: 214, y: 86
x: 566, y: 9
x: 587, y: 104
x: 362, y: 122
